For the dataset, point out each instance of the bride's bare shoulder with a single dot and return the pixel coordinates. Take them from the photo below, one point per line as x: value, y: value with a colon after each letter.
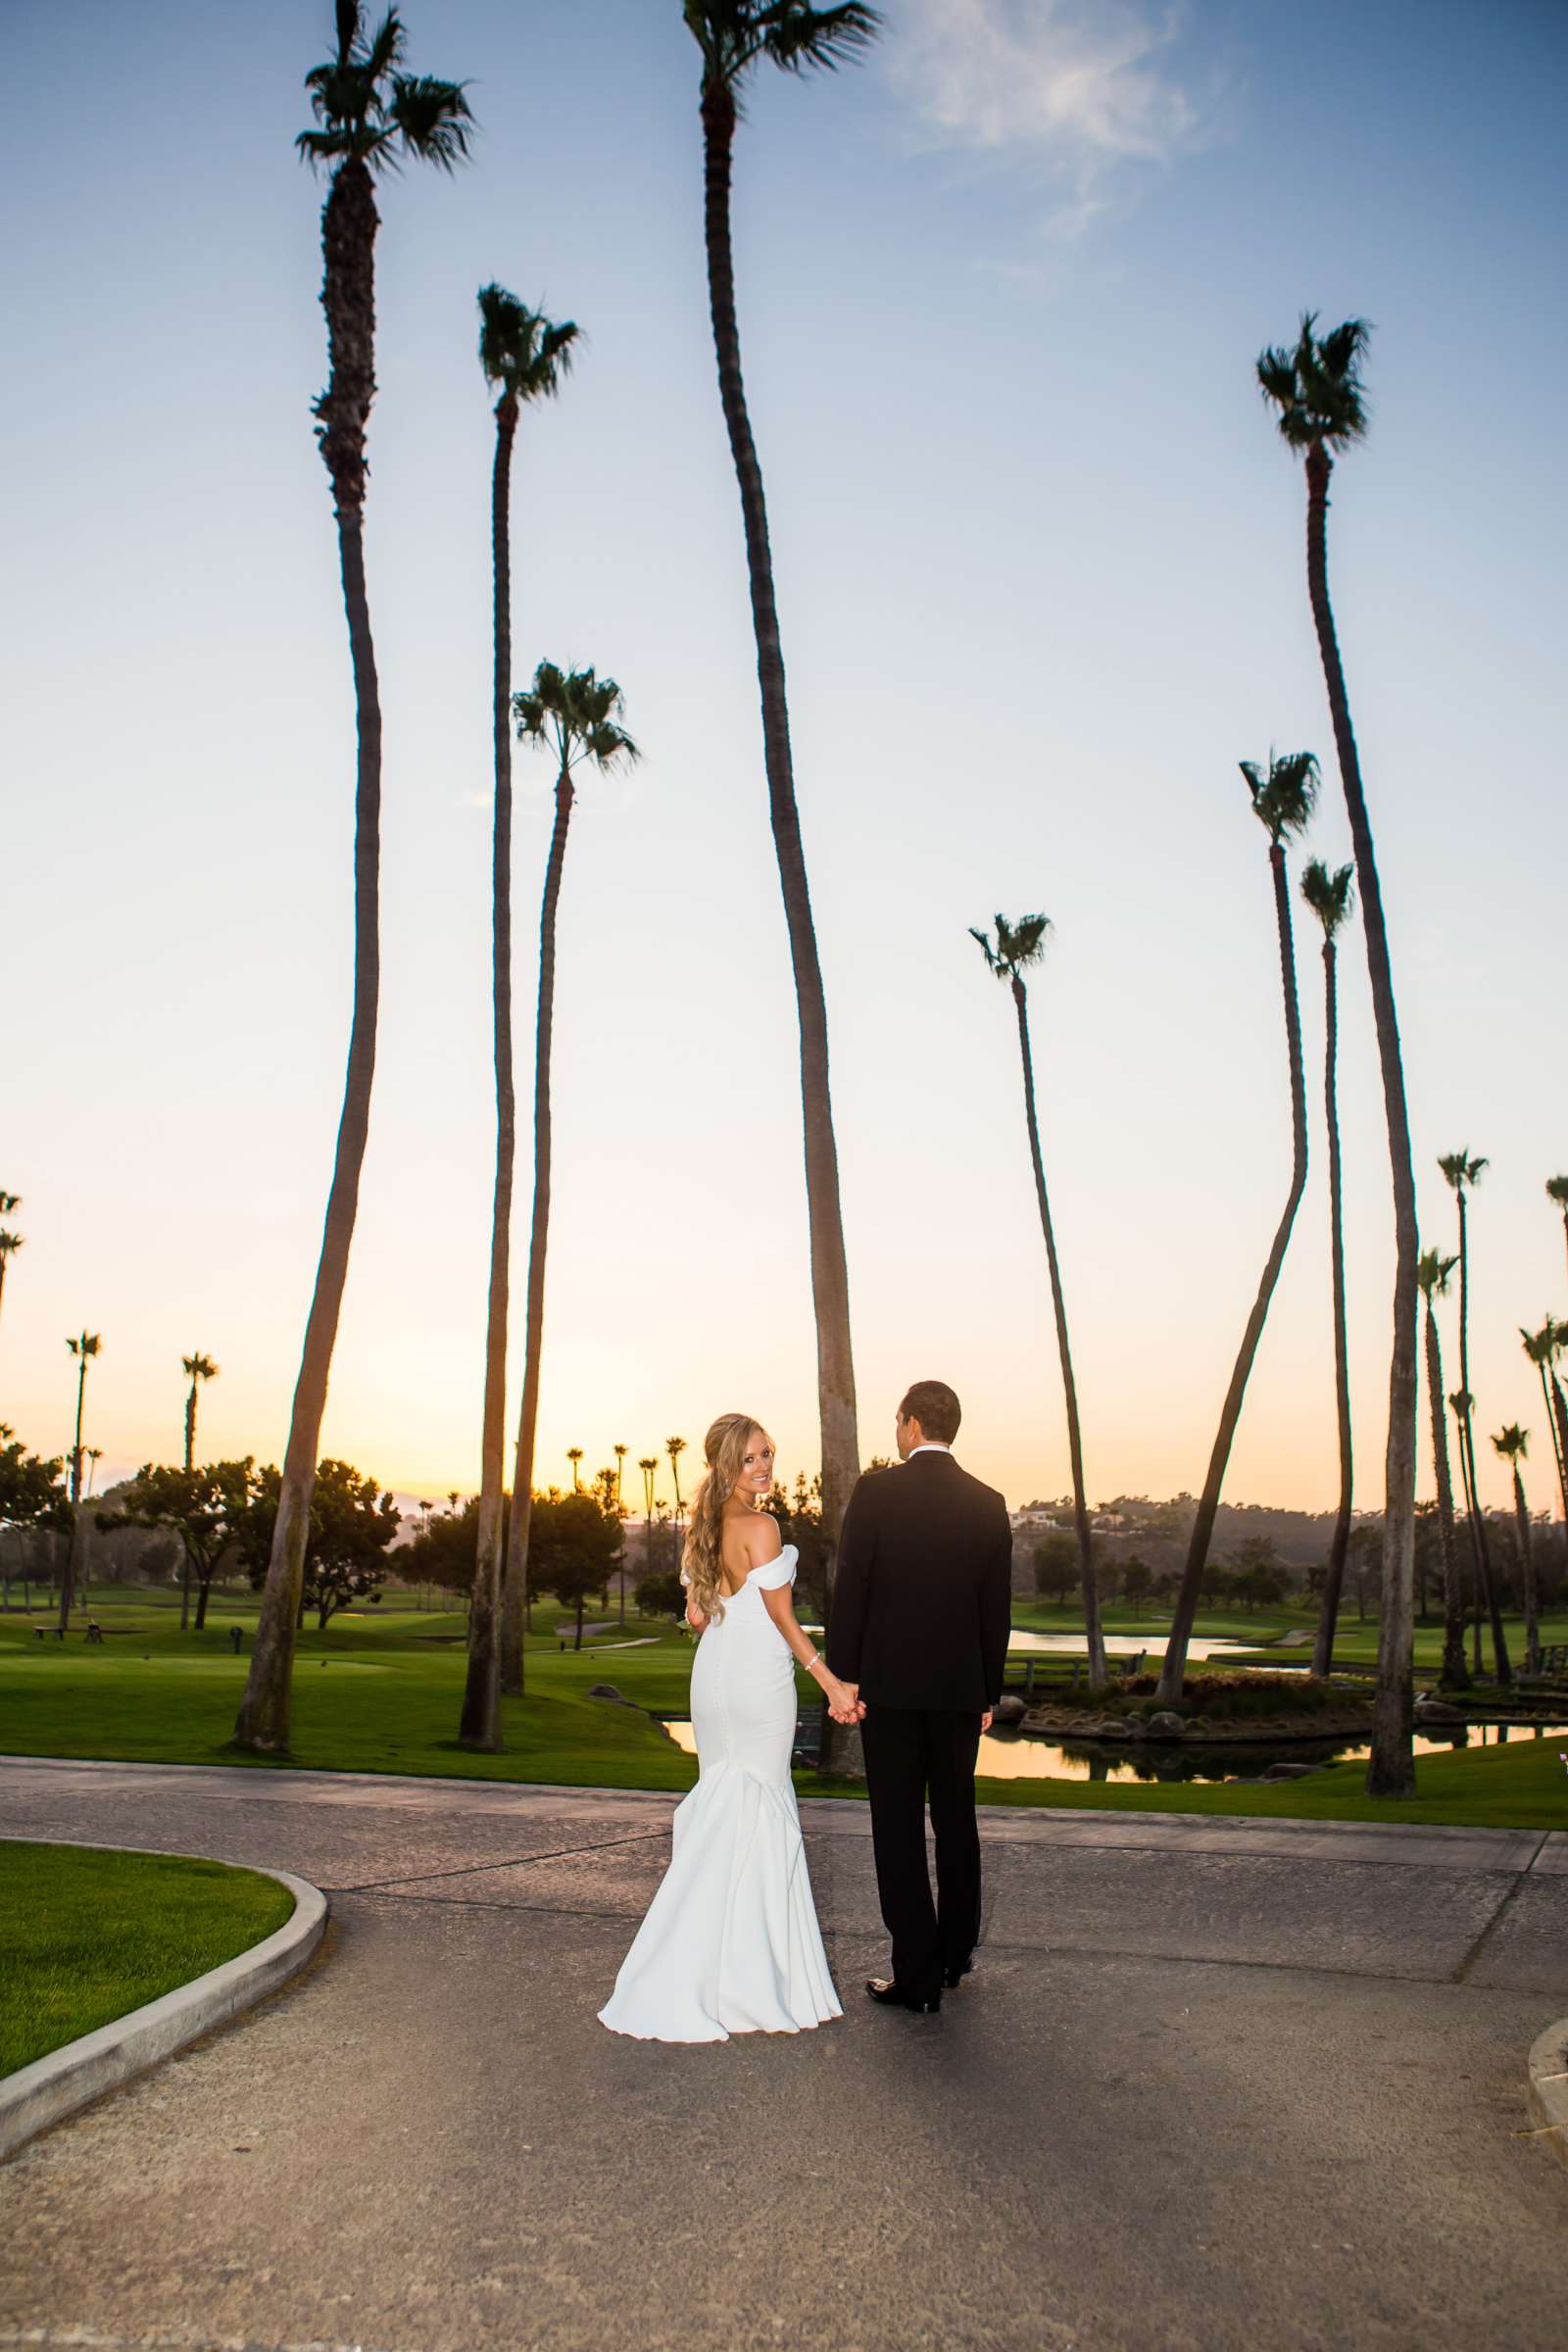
x: 756, y: 1536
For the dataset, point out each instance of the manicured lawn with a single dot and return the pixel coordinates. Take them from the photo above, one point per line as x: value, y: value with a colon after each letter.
x: 380, y: 1691
x: 89, y: 1935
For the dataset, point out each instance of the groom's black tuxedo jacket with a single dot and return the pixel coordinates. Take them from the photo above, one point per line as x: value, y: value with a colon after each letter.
x: 922, y: 1593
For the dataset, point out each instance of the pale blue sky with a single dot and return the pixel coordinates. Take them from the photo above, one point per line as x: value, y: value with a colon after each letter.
x: 1038, y: 557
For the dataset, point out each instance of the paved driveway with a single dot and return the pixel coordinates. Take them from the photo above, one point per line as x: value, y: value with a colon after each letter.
x: 1216, y: 2084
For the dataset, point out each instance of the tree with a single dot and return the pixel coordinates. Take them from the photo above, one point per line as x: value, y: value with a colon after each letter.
x: 1282, y: 801
x: 1365, y: 1562
x: 1463, y: 1174
x: 524, y: 356
x: 206, y: 1509
x: 371, y: 117
x: 620, y: 1453
x: 575, y: 716
x: 1057, y: 1566
x: 1018, y: 946
x: 734, y: 36
x: 574, y: 1456
x: 10, y: 1242
x: 84, y: 1348
x: 1432, y: 1273
x: 198, y: 1368
x: 1542, y: 1348
x: 574, y: 1547
x: 648, y: 1464
x: 1317, y: 390
x: 33, y: 1498
x: 675, y: 1447
x: 446, y: 1550
x: 1556, y: 1194
x: 1137, y: 1578
x: 1330, y: 898
x: 1513, y: 1444
x: 352, y: 1525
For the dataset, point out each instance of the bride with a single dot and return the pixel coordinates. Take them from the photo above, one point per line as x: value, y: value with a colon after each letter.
x: 730, y: 1943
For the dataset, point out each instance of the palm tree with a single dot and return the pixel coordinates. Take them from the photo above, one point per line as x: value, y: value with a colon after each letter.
x: 523, y: 357
x: 1513, y: 1444
x: 1463, y: 1173
x: 1432, y: 1273
x: 734, y: 36
x: 95, y: 1454
x: 620, y: 1453
x: 197, y: 1367
x: 1019, y: 946
x: 1542, y: 1348
x: 370, y: 118
x: 10, y: 1242
x: 574, y: 715
x: 648, y: 1464
x: 574, y: 1456
x: 1330, y: 898
x: 1317, y: 390
x: 675, y: 1447
x: 1283, y: 801
x: 1459, y: 1404
x: 1556, y: 1192
x: 84, y: 1348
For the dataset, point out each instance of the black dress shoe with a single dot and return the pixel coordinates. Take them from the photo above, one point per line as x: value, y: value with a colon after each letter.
x: 893, y: 1997
x: 953, y: 1977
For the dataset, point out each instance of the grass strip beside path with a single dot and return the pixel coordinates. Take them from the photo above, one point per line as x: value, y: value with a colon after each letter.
x: 90, y: 1935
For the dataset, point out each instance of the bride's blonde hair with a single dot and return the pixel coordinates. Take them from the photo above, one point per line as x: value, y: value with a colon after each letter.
x: 724, y: 1449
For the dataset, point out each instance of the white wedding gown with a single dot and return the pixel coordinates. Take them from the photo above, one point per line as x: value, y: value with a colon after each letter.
x: 730, y: 1943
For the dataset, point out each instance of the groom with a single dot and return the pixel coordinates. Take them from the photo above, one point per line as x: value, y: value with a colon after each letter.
x: 921, y: 1613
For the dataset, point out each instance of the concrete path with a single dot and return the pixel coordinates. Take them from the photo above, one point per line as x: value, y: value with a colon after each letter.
x: 1216, y: 2084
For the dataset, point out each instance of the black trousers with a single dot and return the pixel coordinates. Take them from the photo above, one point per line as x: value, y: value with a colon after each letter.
x: 915, y: 1756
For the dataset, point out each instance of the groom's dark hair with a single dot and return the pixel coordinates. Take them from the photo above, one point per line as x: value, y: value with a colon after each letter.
x: 934, y: 1405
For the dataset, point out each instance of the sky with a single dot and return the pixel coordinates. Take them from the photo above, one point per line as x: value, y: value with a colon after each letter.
x: 1039, y: 555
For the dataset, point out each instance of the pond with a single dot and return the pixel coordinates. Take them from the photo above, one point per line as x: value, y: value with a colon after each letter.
x: 1026, y: 1756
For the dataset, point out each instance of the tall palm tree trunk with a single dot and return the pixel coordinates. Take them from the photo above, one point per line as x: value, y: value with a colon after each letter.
x: 1391, y: 1769
x: 1527, y: 1574
x: 1095, y: 1637
x: 1455, y: 1675
x: 480, y: 1724
x: 76, y: 1532
x: 830, y: 1291
x: 1173, y: 1673
x: 191, y: 1428
x: 1338, y: 1549
x: 348, y: 236
x: 1486, y: 1583
x: 514, y: 1595
x: 1476, y: 1584
x: 1558, y: 1425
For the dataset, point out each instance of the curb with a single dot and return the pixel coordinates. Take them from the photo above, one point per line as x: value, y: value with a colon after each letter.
x: 56, y: 2085
x: 1546, y: 2094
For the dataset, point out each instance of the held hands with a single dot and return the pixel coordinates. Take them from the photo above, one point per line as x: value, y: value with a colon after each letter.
x: 695, y: 1618
x: 985, y: 1720
x: 844, y: 1702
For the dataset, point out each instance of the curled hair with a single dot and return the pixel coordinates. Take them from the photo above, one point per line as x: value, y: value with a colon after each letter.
x: 725, y: 1448
x: 934, y: 1405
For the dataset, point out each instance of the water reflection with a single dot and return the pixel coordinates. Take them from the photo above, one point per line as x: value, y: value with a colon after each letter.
x: 1025, y: 1756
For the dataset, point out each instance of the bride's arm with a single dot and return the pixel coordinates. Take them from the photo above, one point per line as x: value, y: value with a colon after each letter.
x: 779, y: 1604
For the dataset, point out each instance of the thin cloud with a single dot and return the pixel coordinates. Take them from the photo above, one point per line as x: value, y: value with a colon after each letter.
x: 1085, y: 88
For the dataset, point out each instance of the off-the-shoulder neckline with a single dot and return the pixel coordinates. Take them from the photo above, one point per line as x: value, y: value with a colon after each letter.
x: 790, y: 1549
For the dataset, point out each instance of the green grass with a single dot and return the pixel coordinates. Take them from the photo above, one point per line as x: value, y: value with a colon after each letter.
x: 380, y: 1690
x: 90, y: 1935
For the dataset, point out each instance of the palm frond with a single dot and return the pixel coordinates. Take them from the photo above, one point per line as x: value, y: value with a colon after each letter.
x: 1285, y: 798
x: 1317, y: 387
x: 1329, y: 896
x: 1432, y: 1273
x: 1557, y: 1191
x: 432, y: 118
x: 1512, y: 1443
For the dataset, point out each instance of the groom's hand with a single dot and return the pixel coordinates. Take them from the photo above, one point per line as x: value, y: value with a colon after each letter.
x: 985, y: 1720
